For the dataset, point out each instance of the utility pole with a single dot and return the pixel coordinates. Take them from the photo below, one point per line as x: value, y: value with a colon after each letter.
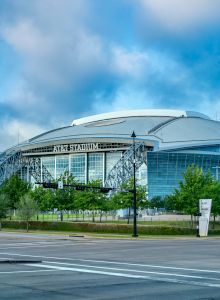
x: 134, y: 188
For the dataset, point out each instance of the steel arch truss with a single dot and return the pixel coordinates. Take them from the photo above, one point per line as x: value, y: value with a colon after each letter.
x: 10, y: 163
x: 14, y: 161
x: 123, y: 169
x: 38, y: 171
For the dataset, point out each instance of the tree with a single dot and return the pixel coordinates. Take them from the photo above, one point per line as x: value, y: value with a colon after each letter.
x: 38, y: 194
x: 14, y: 188
x: 125, y: 198
x: 191, y: 189
x: 170, y: 202
x: 157, y: 202
x: 83, y: 199
x: 95, y: 198
x: 4, y: 208
x: 27, y: 208
x: 106, y: 206
x: 43, y: 197
x: 65, y: 199
x: 212, y: 191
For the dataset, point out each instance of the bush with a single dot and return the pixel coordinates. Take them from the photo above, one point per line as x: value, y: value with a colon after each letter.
x: 102, y: 228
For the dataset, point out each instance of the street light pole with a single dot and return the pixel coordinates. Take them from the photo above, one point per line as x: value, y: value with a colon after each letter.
x: 134, y: 189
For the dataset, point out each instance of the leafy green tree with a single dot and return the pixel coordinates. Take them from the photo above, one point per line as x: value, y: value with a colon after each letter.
x: 14, y: 188
x: 63, y: 200
x: 92, y: 199
x: 212, y: 191
x: 157, y: 202
x: 191, y: 189
x: 27, y: 208
x: 4, y: 208
x: 102, y: 205
x: 43, y: 197
x: 82, y: 201
x: 95, y: 197
x: 170, y: 201
x: 60, y: 199
x: 107, y: 206
x: 125, y: 198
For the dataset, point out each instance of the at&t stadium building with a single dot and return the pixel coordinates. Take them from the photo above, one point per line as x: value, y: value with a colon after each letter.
x: 101, y: 147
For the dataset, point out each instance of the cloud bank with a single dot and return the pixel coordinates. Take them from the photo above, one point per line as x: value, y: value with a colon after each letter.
x: 62, y: 59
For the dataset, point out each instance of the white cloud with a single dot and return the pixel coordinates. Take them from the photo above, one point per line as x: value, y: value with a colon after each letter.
x: 126, y: 97
x: 22, y: 98
x: 142, y: 65
x: 151, y: 79
x: 59, y: 57
x: 27, y: 38
x: 181, y: 15
x: 130, y: 63
x: 14, y: 131
x: 210, y: 107
x: 68, y: 67
x: 55, y: 56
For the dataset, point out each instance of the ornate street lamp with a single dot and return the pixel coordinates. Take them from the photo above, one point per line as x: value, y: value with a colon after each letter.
x: 134, y: 189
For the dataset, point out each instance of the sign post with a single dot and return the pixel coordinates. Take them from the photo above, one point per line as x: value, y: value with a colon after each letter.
x: 205, y: 210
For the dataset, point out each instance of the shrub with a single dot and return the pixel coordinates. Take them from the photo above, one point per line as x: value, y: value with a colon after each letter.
x: 102, y: 228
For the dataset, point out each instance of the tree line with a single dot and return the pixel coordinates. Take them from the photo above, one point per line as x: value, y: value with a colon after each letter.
x: 20, y: 196
x: 196, y: 184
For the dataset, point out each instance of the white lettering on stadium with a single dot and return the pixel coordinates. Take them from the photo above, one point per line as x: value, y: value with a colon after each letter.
x: 76, y: 147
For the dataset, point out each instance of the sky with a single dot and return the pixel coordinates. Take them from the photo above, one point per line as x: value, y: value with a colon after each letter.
x: 65, y: 59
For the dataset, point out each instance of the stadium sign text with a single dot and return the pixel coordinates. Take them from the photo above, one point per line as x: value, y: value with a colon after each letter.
x: 76, y: 147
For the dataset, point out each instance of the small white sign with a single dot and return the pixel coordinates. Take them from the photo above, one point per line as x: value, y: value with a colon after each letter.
x: 205, y: 210
x: 60, y: 185
x: 205, y: 207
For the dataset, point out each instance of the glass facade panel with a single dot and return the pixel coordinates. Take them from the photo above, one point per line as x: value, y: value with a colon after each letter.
x: 49, y: 163
x: 215, y: 148
x: 95, y: 166
x: 62, y: 165
x: 141, y: 175
x: 78, y: 167
x: 165, y: 170
x: 211, y: 149
x: 111, y: 159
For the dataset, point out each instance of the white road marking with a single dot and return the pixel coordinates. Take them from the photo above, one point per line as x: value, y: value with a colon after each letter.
x: 85, y: 270
x: 43, y: 246
x: 25, y: 243
x: 120, y: 272
x: 136, y: 271
x: 113, y: 262
x: 172, y: 280
x: 68, y: 241
x: 26, y: 271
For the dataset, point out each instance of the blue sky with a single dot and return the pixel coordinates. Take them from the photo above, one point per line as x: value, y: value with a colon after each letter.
x: 65, y: 59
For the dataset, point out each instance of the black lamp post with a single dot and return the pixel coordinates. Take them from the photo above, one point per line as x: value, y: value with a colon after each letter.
x: 134, y: 189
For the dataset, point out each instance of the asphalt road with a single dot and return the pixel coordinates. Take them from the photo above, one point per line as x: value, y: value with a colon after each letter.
x: 61, y: 267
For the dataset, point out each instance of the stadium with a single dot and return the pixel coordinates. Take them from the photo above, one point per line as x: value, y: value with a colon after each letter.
x: 102, y: 147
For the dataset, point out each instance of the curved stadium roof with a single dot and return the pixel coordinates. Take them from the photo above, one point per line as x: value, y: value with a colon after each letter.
x: 163, y: 129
